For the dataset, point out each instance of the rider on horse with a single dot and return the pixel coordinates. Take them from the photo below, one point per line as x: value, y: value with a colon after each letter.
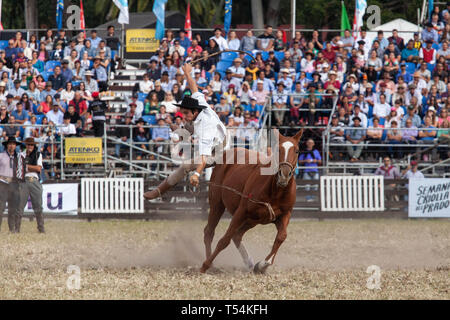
x: 207, y: 128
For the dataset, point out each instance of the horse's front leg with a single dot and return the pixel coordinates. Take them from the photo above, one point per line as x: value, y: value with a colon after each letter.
x: 215, y: 213
x: 281, y: 223
x: 236, y: 222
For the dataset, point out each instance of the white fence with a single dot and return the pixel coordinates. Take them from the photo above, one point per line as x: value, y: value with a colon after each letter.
x: 112, y: 195
x: 360, y: 193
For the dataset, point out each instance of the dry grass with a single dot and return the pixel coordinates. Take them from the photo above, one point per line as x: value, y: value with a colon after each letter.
x: 160, y: 259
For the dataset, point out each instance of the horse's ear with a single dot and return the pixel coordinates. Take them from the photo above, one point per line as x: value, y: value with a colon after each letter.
x: 298, y: 135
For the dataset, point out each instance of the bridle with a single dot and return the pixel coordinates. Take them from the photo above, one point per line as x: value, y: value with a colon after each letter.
x: 280, y: 174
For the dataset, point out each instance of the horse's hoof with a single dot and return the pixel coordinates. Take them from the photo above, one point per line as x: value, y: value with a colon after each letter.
x: 261, y: 267
x: 204, y: 268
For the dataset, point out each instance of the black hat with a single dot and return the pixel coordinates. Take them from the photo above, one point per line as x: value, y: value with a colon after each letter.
x: 11, y: 139
x: 189, y: 103
x: 429, y: 24
x: 361, y: 42
x: 9, y: 96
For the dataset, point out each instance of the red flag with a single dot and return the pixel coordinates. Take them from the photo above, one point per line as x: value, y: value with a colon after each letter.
x: 82, y: 24
x: 187, y: 23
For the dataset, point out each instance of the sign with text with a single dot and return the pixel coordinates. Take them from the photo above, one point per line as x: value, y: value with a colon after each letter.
x: 141, y: 40
x: 83, y: 150
x: 429, y: 198
x: 58, y: 198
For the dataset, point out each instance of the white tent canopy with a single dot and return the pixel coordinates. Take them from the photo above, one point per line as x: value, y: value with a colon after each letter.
x: 405, y: 29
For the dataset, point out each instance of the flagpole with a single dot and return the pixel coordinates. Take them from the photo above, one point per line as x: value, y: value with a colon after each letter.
x: 123, y: 42
x: 293, y: 9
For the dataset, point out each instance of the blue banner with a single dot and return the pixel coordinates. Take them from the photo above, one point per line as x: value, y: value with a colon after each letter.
x: 430, y: 8
x: 159, y: 7
x: 59, y: 14
x: 227, y: 20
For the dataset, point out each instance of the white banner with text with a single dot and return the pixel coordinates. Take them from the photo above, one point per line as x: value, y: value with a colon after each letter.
x: 429, y: 198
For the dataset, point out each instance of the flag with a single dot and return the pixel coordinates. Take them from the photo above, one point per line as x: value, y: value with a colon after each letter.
x: 159, y: 7
x: 59, y: 13
x: 1, y: 24
x: 227, y: 20
x: 187, y: 23
x: 123, y: 7
x: 360, y: 9
x: 345, y: 23
x: 82, y: 23
x: 430, y: 8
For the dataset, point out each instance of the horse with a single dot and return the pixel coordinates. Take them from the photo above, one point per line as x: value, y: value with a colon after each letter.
x: 252, y: 199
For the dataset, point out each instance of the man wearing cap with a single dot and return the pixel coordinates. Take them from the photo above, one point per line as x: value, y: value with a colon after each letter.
x: 260, y: 93
x: 411, y: 115
x: 100, y: 74
x: 412, y: 172
x: 355, y: 136
x: 208, y: 129
x: 418, y: 82
x: 229, y: 79
x: 428, y: 53
x: 407, y: 77
x: 16, y: 91
x: 12, y: 166
x: 31, y: 187
x: 429, y: 33
x: 97, y: 109
x: 237, y: 72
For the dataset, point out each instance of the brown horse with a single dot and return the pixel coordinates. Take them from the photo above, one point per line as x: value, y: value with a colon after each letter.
x: 245, y: 193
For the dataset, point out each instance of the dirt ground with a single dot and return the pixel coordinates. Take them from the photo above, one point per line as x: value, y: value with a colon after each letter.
x: 160, y: 260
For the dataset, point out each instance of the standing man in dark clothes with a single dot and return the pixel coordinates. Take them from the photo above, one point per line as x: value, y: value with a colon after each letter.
x: 97, y: 109
x: 31, y: 187
x: 75, y: 118
x: 123, y: 133
x: 11, y: 172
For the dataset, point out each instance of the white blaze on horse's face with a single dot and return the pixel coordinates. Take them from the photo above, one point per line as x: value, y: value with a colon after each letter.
x: 287, y: 145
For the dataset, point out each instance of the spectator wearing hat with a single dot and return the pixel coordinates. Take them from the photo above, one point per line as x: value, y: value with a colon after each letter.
x: 31, y: 187
x: 100, y: 74
x: 332, y: 80
x: 355, y: 136
x: 357, y: 113
x: 168, y: 66
x: 12, y: 166
x: 428, y: 53
x: 418, y: 82
x: 91, y: 84
x: 16, y: 91
x: 412, y: 172
x: 252, y: 69
x: 280, y: 99
x: 97, y: 109
x: 237, y: 72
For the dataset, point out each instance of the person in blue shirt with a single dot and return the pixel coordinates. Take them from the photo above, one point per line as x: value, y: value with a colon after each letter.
x: 100, y: 75
x: 94, y: 39
x: 10, y: 50
x: 48, y: 91
x: 409, y: 53
x: 428, y: 33
x: 407, y: 77
x: 66, y: 72
x: 160, y: 137
x: 310, y: 159
x: 184, y: 41
x: 19, y: 114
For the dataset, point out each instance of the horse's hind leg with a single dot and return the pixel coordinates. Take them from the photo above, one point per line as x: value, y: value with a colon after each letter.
x: 235, y: 224
x: 237, y: 239
x: 281, y: 225
x: 215, y: 213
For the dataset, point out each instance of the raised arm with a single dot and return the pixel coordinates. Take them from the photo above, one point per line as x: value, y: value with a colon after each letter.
x: 187, y: 69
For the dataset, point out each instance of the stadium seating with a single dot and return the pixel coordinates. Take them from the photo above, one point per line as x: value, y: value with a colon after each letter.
x: 410, y: 67
x: 3, y: 44
x: 279, y: 55
x: 39, y: 118
x: 142, y: 96
x: 150, y: 119
x: 223, y: 65
x: 45, y: 75
x: 228, y: 56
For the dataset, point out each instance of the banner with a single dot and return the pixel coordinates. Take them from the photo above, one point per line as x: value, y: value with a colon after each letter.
x: 360, y: 10
x: 141, y: 40
x: 1, y: 24
x: 58, y: 198
x: 227, y: 19
x: 82, y: 22
x: 83, y: 150
x: 429, y: 198
x: 187, y: 22
x: 123, y: 7
x: 345, y: 22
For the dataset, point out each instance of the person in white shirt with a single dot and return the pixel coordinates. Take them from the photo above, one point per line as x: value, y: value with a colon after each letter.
x: 221, y: 42
x: 233, y: 42
x: 412, y: 171
x: 134, y: 100
x: 209, y: 131
x: 68, y: 129
x: 357, y: 113
x: 146, y: 85
x: 381, y: 109
x: 55, y: 115
x: 238, y: 72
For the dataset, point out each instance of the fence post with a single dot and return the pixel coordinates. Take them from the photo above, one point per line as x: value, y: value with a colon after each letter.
x: 62, y: 157
x: 131, y: 146
x: 105, y: 154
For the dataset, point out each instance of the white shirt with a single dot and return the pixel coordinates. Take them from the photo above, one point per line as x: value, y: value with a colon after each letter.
x: 238, y: 70
x: 208, y: 128
x: 221, y: 42
x: 56, y: 118
x: 146, y: 86
x: 363, y: 118
x: 414, y: 175
x: 68, y: 129
x: 39, y: 163
x: 381, y: 110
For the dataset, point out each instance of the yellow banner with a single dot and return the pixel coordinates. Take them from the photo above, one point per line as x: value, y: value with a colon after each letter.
x: 84, y: 150
x: 141, y: 40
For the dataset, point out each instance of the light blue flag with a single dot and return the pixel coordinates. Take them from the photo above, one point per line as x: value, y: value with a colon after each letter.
x: 159, y: 7
x: 123, y: 7
x: 430, y: 8
x: 227, y: 20
x: 59, y: 14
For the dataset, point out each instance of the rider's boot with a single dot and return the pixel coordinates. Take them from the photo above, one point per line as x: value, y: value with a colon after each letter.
x: 158, y: 191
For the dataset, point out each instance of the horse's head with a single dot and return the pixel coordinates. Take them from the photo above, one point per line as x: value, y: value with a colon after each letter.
x: 288, y: 157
